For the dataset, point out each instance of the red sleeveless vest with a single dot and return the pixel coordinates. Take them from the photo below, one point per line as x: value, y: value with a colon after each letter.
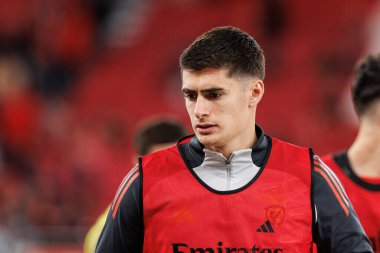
x: 271, y: 214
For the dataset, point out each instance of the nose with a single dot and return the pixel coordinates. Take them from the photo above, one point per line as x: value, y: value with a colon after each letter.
x: 202, y: 108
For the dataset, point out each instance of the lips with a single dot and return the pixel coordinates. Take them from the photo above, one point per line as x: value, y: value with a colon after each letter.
x: 205, y: 128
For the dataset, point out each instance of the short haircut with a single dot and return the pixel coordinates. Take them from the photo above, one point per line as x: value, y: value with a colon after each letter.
x: 158, y: 131
x: 227, y: 47
x: 366, y: 87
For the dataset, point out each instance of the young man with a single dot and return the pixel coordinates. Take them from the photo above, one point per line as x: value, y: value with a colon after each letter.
x: 153, y: 134
x: 359, y: 167
x: 229, y: 188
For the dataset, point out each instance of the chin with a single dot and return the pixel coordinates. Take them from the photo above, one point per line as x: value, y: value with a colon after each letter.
x: 206, y: 140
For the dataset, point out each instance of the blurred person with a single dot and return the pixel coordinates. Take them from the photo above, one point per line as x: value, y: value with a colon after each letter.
x: 229, y: 187
x: 153, y: 134
x: 19, y: 105
x: 19, y: 121
x: 358, y: 166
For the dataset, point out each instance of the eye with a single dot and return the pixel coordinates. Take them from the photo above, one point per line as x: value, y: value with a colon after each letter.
x: 191, y: 96
x: 214, y: 95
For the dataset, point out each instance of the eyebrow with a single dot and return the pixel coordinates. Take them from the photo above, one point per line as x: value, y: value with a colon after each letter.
x: 186, y: 90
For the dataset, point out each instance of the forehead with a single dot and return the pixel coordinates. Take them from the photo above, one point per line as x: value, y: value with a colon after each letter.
x: 207, y: 78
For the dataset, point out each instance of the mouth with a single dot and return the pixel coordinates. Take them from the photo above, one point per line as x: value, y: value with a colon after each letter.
x: 205, y: 128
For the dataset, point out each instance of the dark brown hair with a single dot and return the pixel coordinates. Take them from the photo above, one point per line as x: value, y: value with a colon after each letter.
x: 366, y: 87
x: 225, y: 47
x: 158, y: 131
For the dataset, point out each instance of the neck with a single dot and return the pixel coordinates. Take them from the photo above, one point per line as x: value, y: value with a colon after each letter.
x: 245, y: 140
x: 364, y: 153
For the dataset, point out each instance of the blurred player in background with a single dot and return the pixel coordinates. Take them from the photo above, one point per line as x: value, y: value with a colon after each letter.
x: 358, y: 167
x: 153, y: 134
x: 229, y: 188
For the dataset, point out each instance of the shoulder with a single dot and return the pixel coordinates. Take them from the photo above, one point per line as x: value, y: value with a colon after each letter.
x: 164, y: 154
x: 328, y: 159
x: 290, y: 152
x: 159, y: 166
x: 328, y: 190
x: 289, y: 146
x: 128, y: 191
x: 322, y: 170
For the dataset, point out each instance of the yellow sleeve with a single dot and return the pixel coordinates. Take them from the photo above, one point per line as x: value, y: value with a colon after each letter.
x: 94, y: 232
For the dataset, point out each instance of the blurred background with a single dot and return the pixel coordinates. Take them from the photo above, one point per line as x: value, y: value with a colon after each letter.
x: 77, y: 76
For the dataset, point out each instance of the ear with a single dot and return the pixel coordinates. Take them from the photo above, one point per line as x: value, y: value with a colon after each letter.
x: 256, y: 92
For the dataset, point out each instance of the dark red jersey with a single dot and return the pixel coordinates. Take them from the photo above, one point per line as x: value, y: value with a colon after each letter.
x: 363, y: 193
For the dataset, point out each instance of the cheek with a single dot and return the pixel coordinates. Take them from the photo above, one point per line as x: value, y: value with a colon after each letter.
x: 188, y: 107
x: 238, y: 110
x: 190, y: 111
x: 236, y: 106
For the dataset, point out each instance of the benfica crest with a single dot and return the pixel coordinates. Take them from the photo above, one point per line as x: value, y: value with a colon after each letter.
x: 275, y: 214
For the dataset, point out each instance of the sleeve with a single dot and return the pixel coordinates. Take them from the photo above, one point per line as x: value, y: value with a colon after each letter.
x: 336, y: 225
x: 124, y: 229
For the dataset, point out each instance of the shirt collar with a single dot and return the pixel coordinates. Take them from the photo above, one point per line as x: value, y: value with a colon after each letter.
x: 194, y: 155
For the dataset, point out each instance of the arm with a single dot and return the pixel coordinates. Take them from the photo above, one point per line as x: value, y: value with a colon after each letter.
x: 124, y: 229
x: 337, y: 227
